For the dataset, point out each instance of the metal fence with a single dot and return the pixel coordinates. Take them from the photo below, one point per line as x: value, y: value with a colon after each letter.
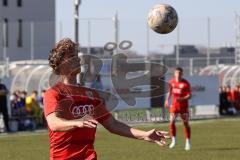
x: 193, y: 66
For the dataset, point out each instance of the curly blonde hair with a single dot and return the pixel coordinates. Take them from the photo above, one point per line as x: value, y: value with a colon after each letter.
x: 56, y: 55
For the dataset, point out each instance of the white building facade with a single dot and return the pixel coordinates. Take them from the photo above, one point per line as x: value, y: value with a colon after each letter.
x: 27, y: 29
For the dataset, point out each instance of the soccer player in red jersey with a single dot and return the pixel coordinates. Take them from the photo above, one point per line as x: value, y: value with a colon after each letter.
x: 179, y: 93
x: 73, y: 111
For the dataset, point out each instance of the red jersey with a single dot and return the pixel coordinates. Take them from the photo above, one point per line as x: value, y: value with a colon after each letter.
x: 179, y: 90
x: 233, y: 95
x: 73, y: 102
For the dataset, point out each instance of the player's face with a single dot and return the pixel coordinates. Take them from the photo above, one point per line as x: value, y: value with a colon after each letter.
x: 224, y: 89
x: 34, y: 95
x: 70, y: 64
x: 178, y: 74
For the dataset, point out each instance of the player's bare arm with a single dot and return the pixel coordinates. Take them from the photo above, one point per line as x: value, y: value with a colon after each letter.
x: 119, y: 128
x: 59, y: 124
x: 166, y: 103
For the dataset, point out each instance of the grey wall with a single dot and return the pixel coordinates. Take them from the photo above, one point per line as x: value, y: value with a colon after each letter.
x: 39, y: 12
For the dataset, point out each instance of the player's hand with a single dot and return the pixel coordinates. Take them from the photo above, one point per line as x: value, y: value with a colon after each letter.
x: 158, y: 137
x: 86, y: 123
x: 166, y: 104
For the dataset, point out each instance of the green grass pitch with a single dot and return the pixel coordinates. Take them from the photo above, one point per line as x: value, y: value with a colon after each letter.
x: 211, y: 140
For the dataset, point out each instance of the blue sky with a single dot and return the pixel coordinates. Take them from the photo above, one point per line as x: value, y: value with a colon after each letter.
x: 132, y: 14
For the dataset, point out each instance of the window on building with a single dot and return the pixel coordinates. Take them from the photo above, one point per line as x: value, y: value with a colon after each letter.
x: 20, y: 39
x: 5, y: 2
x: 5, y: 32
x: 19, y: 3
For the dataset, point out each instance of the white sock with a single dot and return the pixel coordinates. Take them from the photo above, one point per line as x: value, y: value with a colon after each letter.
x: 187, y: 145
x: 172, y: 145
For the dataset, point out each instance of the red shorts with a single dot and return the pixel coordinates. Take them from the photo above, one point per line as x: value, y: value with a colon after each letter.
x: 180, y: 110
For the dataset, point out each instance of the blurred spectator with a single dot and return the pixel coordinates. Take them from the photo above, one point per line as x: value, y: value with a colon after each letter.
x: 237, y: 98
x: 230, y: 101
x: 18, y: 110
x: 23, y: 115
x: 13, y: 104
x: 3, y: 105
x: 44, y: 122
x: 223, y: 101
x: 231, y: 98
x: 234, y: 95
x: 33, y: 108
x: 26, y: 111
x: 40, y: 98
x: 22, y: 99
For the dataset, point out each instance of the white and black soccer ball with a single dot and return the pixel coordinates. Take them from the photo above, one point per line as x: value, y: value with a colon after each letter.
x: 162, y: 18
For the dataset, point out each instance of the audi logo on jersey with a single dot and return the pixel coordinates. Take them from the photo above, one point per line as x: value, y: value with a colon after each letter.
x: 82, y: 110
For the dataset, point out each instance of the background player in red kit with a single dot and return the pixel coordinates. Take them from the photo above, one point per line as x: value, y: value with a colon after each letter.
x: 72, y: 111
x: 180, y: 94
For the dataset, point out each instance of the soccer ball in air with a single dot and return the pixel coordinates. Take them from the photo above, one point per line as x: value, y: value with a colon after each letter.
x: 162, y: 18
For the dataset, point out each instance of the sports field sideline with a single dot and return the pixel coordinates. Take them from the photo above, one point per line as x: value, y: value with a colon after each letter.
x: 211, y: 140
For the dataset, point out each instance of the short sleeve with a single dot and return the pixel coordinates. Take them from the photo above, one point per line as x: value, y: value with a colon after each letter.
x: 50, y: 102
